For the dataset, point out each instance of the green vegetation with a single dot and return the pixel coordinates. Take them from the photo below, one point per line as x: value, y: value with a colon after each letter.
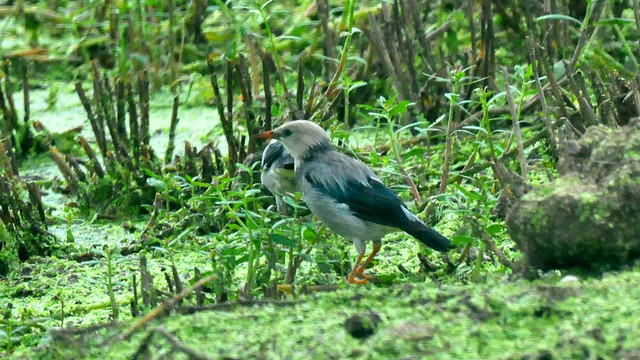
x: 132, y: 220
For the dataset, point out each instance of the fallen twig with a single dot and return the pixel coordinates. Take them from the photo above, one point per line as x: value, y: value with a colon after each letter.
x: 178, y: 345
x: 157, y: 205
x: 494, y: 248
x: 306, y: 289
x: 233, y: 305
x: 164, y: 307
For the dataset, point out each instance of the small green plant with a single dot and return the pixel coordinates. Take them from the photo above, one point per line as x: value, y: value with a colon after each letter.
x: 348, y: 85
x: 52, y: 96
x: 112, y: 297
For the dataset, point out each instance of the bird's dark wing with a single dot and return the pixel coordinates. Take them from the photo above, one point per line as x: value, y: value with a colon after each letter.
x: 272, y: 153
x: 371, y: 201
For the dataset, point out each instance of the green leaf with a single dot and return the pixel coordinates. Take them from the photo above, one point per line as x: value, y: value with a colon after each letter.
x: 250, y: 223
x: 495, y: 228
x: 279, y: 223
x: 282, y: 240
x: 614, y: 21
x: 400, y: 107
x: 160, y: 249
x: 414, y: 152
x: 139, y: 57
x: 200, y: 184
x: 474, y: 195
x: 375, y: 158
x: 181, y: 235
x: 159, y: 185
x: 288, y: 37
x: 252, y: 192
x: 99, y: 251
x: 477, y: 128
x: 559, y: 17
x: 357, y: 84
x: 461, y: 239
x: 559, y: 69
x: 243, y: 167
x: 290, y: 201
x: 309, y: 234
x: 452, y: 97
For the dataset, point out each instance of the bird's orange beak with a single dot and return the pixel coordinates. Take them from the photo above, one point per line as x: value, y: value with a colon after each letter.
x: 266, y: 135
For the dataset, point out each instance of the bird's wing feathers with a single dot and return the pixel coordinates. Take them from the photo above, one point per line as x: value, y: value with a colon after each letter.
x: 367, y: 197
x: 375, y: 203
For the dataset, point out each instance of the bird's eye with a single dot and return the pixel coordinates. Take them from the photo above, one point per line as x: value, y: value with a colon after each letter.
x: 286, y: 132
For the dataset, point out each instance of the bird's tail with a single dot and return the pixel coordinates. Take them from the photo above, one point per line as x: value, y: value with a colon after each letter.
x: 427, y: 235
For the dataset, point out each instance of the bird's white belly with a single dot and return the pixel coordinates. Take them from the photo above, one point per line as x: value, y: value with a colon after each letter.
x: 340, y: 219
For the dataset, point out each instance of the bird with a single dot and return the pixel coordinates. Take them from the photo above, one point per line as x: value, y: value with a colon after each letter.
x: 278, y: 173
x: 347, y: 196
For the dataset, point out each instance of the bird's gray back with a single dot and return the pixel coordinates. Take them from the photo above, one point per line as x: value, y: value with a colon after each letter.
x: 333, y: 170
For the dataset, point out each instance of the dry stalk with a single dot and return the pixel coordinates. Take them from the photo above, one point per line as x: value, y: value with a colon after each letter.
x: 172, y: 130
x: 516, y: 124
x: 69, y: 175
x: 543, y: 101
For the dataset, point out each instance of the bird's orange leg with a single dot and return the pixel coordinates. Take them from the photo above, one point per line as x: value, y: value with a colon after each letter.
x: 359, y: 270
x: 355, y: 273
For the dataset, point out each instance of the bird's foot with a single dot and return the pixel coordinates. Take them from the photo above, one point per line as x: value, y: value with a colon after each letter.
x: 368, y: 277
x: 355, y: 279
x: 358, y: 276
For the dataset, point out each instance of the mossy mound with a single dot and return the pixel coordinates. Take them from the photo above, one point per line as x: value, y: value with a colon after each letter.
x: 589, y: 217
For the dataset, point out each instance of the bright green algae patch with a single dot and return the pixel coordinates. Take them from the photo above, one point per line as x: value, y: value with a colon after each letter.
x: 197, y: 124
x: 596, y: 318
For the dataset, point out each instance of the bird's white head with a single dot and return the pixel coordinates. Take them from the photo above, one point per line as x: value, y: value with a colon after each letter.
x: 299, y: 137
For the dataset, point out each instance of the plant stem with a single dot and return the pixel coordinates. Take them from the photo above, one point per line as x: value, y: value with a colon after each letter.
x: 396, y: 151
x: 453, y: 99
x: 112, y: 297
x: 516, y: 125
x: 345, y: 51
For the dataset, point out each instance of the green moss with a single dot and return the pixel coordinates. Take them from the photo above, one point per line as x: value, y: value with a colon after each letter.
x: 497, y: 319
x: 587, y: 217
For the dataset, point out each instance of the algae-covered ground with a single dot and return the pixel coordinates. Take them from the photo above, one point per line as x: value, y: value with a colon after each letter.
x: 50, y: 300
x: 441, y: 99
x: 496, y: 319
